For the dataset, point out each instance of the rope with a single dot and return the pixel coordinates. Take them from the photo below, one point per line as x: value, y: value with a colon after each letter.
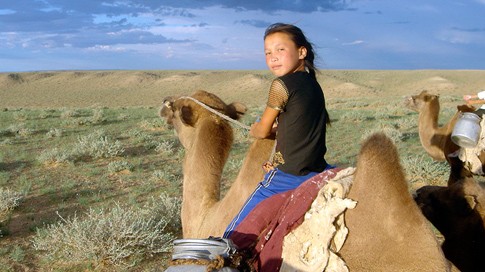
x: 228, y: 119
x: 216, y: 112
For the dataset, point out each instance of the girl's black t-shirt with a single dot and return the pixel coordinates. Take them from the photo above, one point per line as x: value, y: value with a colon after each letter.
x: 301, y: 133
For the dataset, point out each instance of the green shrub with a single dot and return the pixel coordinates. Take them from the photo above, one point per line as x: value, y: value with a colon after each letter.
x: 15, y: 128
x: 15, y: 77
x: 167, y: 207
x: 152, y: 124
x: 9, y: 200
x: 17, y: 254
x: 164, y: 175
x: 118, y: 236
x: 123, y: 117
x: 426, y: 170
x: 54, y: 132
x: 69, y: 113
x: 25, y: 132
x: 165, y: 147
x: 55, y: 155
x: 118, y: 166
x: 7, y: 141
x: 140, y: 137
x: 98, y: 117
x: 20, y: 116
x: 98, y: 145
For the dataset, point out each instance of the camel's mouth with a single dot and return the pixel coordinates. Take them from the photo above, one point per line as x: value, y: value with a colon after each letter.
x: 167, y: 103
x: 410, y: 102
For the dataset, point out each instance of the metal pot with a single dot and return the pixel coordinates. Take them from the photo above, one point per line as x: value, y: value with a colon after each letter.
x: 191, y: 250
x: 466, y: 132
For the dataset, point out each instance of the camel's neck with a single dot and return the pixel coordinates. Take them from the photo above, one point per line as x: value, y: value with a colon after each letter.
x: 222, y: 212
x: 251, y: 171
x: 432, y: 136
x: 428, y: 117
x: 203, y: 165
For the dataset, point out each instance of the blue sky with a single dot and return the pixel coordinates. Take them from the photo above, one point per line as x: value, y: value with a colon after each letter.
x: 215, y: 34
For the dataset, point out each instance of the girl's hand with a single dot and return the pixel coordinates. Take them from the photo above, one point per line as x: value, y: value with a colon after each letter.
x: 267, y: 166
x: 263, y: 128
x: 467, y: 97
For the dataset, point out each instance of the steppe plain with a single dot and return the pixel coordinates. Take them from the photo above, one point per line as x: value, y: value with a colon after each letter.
x: 38, y: 103
x: 147, y: 88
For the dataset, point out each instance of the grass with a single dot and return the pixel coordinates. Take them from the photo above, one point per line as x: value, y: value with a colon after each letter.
x: 93, y: 178
x: 65, y: 169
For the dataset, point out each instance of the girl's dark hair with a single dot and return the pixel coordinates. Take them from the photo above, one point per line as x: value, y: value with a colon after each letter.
x: 299, y: 39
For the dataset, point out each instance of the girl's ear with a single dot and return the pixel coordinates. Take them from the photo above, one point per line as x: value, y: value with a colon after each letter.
x: 302, y: 52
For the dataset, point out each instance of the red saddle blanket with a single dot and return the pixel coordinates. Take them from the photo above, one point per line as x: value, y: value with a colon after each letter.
x: 264, y: 228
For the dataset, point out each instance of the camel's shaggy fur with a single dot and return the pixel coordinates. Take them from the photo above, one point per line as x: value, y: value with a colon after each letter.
x: 458, y: 212
x: 387, y: 231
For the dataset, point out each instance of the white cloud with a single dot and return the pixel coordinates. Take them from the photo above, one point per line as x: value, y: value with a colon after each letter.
x: 7, y: 11
x: 357, y: 42
x: 457, y: 36
x: 106, y: 48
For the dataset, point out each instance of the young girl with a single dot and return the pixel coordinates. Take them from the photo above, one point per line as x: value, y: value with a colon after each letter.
x: 295, y: 111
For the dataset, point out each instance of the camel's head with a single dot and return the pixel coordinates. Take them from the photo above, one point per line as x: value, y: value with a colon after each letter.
x: 416, y: 102
x: 185, y: 113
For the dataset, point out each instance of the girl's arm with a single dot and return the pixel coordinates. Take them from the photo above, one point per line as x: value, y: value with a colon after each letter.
x: 264, y: 128
x: 473, y: 102
x: 467, y: 97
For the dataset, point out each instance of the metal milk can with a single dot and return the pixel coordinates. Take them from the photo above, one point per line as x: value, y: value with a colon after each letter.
x: 466, y: 132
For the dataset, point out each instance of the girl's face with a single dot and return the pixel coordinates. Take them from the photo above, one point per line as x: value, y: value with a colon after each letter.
x: 282, y: 55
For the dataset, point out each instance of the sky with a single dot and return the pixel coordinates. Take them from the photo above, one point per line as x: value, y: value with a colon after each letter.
x: 37, y: 35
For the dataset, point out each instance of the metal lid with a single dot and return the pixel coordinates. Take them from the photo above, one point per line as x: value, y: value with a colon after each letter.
x: 207, y: 249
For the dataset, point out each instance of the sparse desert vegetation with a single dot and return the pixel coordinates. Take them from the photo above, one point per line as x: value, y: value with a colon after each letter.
x: 90, y: 176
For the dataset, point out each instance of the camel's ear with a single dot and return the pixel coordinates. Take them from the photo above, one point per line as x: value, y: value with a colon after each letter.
x: 187, y: 116
x: 430, y: 97
x: 236, y: 110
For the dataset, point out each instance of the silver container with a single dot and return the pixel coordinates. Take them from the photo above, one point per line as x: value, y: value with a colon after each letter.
x: 201, y: 249
x: 466, y: 132
x: 207, y: 249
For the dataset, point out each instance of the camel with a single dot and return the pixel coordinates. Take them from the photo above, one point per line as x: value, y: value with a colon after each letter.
x: 436, y: 139
x: 458, y: 209
x: 387, y: 231
x: 458, y: 212
x: 207, y: 140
